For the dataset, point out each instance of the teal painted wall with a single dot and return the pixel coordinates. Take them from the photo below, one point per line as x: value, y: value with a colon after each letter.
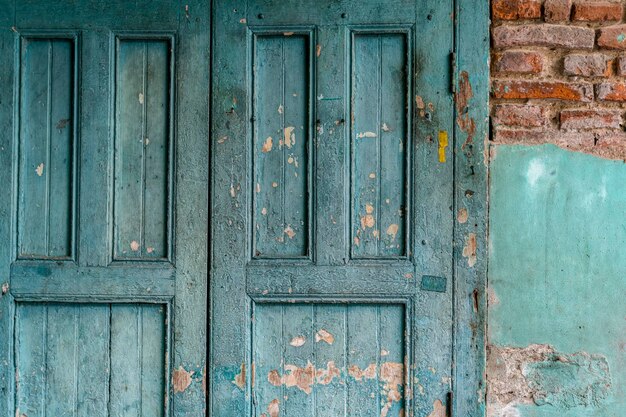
x: 557, y: 277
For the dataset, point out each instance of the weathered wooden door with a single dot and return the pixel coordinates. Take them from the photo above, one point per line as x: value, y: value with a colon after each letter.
x: 103, y: 207
x: 332, y: 222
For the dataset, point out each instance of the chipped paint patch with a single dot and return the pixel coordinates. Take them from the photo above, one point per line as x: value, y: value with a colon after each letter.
x: 392, y: 231
x: 289, y: 137
x: 462, y: 216
x: 469, y: 250
x: 134, y: 246
x: 318, y: 50
x: 462, y: 97
x: 325, y: 376
x: 267, y: 145
x: 323, y: 335
x: 290, y: 232
x: 273, y: 409
x: 240, y: 378
x: 392, y: 374
x: 181, y: 379
x: 366, y: 135
x: 439, y: 410
x: 298, y: 341
x: 539, y: 375
x: 5, y: 288
x: 39, y: 169
x: 140, y: 98
x: 359, y: 374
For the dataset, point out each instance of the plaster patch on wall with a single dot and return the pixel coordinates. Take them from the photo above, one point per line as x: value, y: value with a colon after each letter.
x: 539, y: 375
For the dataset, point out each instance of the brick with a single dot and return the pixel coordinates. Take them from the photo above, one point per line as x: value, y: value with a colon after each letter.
x: 516, y: 9
x: 586, y: 119
x: 611, y: 91
x: 613, y: 37
x: 621, y: 66
x: 520, y: 62
x: 538, y: 137
x: 529, y: 89
x: 557, y: 11
x: 597, y: 11
x: 519, y: 115
x: 587, y: 65
x: 558, y: 36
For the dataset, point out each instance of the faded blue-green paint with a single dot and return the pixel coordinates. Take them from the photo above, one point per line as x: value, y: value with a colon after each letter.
x: 101, y: 100
x: 557, y: 275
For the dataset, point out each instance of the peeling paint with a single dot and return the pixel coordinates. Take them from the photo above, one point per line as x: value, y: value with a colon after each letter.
x: 134, y: 246
x: 240, y: 378
x: 273, y: 409
x: 5, y: 288
x: 359, y: 374
x: 289, y: 136
x: 469, y: 250
x: 462, y: 216
x: 439, y: 410
x: 181, y: 379
x: 392, y: 374
x: 39, y: 169
x: 298, y: 341
x: 318, y: 50
x: 267, y: 145
x: 140, y: 98
x: 323, y: 335
x: 462, y: 98
x: 290, y: 232
x: 392, y: 231
x: 366, y: 135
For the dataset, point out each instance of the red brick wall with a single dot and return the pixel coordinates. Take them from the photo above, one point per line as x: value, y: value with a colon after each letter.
x: 558, y: 72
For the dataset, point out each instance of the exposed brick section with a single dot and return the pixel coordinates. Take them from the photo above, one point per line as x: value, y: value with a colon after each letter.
x: 558, y: 36
x: 621, y: 66
x: 516, y: 9
x: 559, y: 75
x: 597, y: 11
x: 529, y: 89
x: 613, y: 37
x: 611, y: 91
x: 557, y: 11
x: 587, y: 119
x: 521, y: 62
x: 591, y: 65
x: 519, y: 115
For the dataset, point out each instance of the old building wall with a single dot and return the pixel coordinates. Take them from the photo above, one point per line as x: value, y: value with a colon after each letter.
x: 557, y: 246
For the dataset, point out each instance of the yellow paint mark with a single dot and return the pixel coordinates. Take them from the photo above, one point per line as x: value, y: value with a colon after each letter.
x: 181, y: 379
x: 134, y: 246
x: 240, y: 379
x: 298, y: 341
x: 289, y: 136
x: 324, y: 335
x: 267, y: 145
x: 318, y: 50
x: 443, y: 144
x: 39, y: 169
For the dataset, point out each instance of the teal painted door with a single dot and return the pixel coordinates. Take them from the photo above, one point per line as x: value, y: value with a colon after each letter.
x: 332, y: 224
x: 103, y: 207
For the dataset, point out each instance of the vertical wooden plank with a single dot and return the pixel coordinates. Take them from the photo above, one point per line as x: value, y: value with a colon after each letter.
x: 230, y: 158
x: 8, y: 157
x: 126, y: 364
x: 156, y: 153
x: 330, y: 148
x: 433, y: 196
x: 365, y: 137
x: 61, y: 152
x: 130, y: 136
x: 395, y: 145
x: 95, y: 150
x: 93, y: 360
x: 30, y: 360
x: 391, y: 332
x: 268, y: 357
x: 192, y: 204
x: 299, y: 343
x: 152, y: 360
x: 330, y: 340
x: 364, y: 393
x: 61, y: 360
x: 34, y: 179
x: 472, y: 49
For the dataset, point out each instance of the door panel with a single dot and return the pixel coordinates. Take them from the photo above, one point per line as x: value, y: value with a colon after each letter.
x: 103, y: 261
x: 331, y: 225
